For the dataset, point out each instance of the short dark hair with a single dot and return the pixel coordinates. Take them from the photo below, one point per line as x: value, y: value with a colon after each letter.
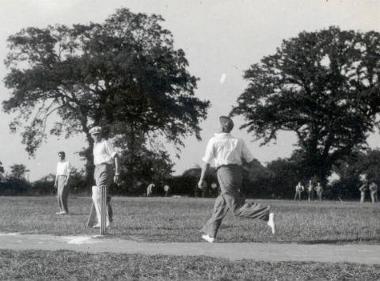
x: 62, y: 152
x: 227, y: 123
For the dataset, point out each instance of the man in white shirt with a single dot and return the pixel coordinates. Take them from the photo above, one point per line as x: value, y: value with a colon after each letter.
x: 299, y: 190
x: 105, y: 157
x: 319, y: 191
x: 363, y: 188
x: 229, y: 154
x: 149, y: 189
x: 166, y: 190
x: 373, y: 192
x: 61, y: 183
x: 310, y: 191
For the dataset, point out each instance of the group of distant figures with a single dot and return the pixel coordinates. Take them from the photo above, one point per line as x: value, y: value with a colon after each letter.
x: 316, y: 189
x: 312, y: 189
x: 151, y: 189
x: 372, y: 188
x: 213, y: 191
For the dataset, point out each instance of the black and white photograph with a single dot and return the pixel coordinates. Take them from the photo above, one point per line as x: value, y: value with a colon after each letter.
x: 204, y: 140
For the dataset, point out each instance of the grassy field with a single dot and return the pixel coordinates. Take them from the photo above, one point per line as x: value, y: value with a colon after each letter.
x: 67, y: 265
x: 179, y: 219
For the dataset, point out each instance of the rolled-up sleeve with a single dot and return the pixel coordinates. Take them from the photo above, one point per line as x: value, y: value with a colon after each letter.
x: 246, y: 154
x: 209, y: 154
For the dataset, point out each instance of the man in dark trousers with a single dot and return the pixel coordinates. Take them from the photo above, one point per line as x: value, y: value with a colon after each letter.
x: 229, y: 154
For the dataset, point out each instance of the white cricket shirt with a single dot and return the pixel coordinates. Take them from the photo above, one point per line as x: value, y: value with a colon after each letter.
x: 226, y: 149
x: 103, y: 152
x: 63, y: 168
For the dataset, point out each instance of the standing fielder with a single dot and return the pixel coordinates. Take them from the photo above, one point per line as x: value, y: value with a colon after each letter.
x: 61, y: 183
x: 373, y: 192
x: 363, y: 189
x: 319, y: 191
x: 310, y: 191
x: 229, y: 153
x: 299, y: 190
x: 104, y: 158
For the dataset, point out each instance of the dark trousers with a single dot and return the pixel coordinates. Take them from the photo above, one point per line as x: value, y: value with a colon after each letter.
x: 230, y: 181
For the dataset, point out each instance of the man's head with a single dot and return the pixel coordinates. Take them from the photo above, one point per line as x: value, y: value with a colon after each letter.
x: 61, y: 155
x: 226, y: 124
x: 96, y: 133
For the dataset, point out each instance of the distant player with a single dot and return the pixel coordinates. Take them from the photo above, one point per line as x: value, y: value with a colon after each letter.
x: 363, y: 188
x: 319, y: 191
x: 310, y: 191
x: 166, y: 190
x: 214, y: 189
x: 149, y: 189
x: 61, y: 183
x: 373, y: 192
x: 299, y: 189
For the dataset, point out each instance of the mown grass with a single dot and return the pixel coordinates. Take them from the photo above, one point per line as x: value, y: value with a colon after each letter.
x: 68, y: 265
x: 179, y: 219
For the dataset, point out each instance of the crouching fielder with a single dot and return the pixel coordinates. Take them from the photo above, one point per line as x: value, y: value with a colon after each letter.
x: 229, y: 153
x: 104, y: 159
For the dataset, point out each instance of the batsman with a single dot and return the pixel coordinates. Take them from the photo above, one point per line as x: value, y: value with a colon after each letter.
x: 106, y: 170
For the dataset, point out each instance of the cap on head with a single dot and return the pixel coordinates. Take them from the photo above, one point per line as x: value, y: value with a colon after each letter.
x: 226, y: 123
x: 62, y: 153
x: 95, y: 130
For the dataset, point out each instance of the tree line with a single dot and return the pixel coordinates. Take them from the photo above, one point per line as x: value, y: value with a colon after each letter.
x: 276, y: 180
x: 126, y: 75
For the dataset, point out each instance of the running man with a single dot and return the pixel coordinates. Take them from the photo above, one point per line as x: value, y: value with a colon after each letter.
x: 229, y: 154
x: 61, y: 183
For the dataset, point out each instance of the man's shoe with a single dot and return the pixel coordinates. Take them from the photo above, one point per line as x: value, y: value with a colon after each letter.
x: 271, y: 223
x: 208, y: 238
x: 96, y: 225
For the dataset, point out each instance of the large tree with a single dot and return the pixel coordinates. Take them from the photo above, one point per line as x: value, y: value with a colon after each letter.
x: 324, y: 86
x: 123, y: 74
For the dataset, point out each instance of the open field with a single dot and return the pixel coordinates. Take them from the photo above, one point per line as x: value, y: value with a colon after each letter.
x: 68, y: 265
x: 179, y: 219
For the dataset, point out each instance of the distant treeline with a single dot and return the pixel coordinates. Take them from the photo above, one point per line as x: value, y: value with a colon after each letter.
x: 277, y: 180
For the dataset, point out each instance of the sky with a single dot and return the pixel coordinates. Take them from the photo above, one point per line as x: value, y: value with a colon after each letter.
x: 221, y: 39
